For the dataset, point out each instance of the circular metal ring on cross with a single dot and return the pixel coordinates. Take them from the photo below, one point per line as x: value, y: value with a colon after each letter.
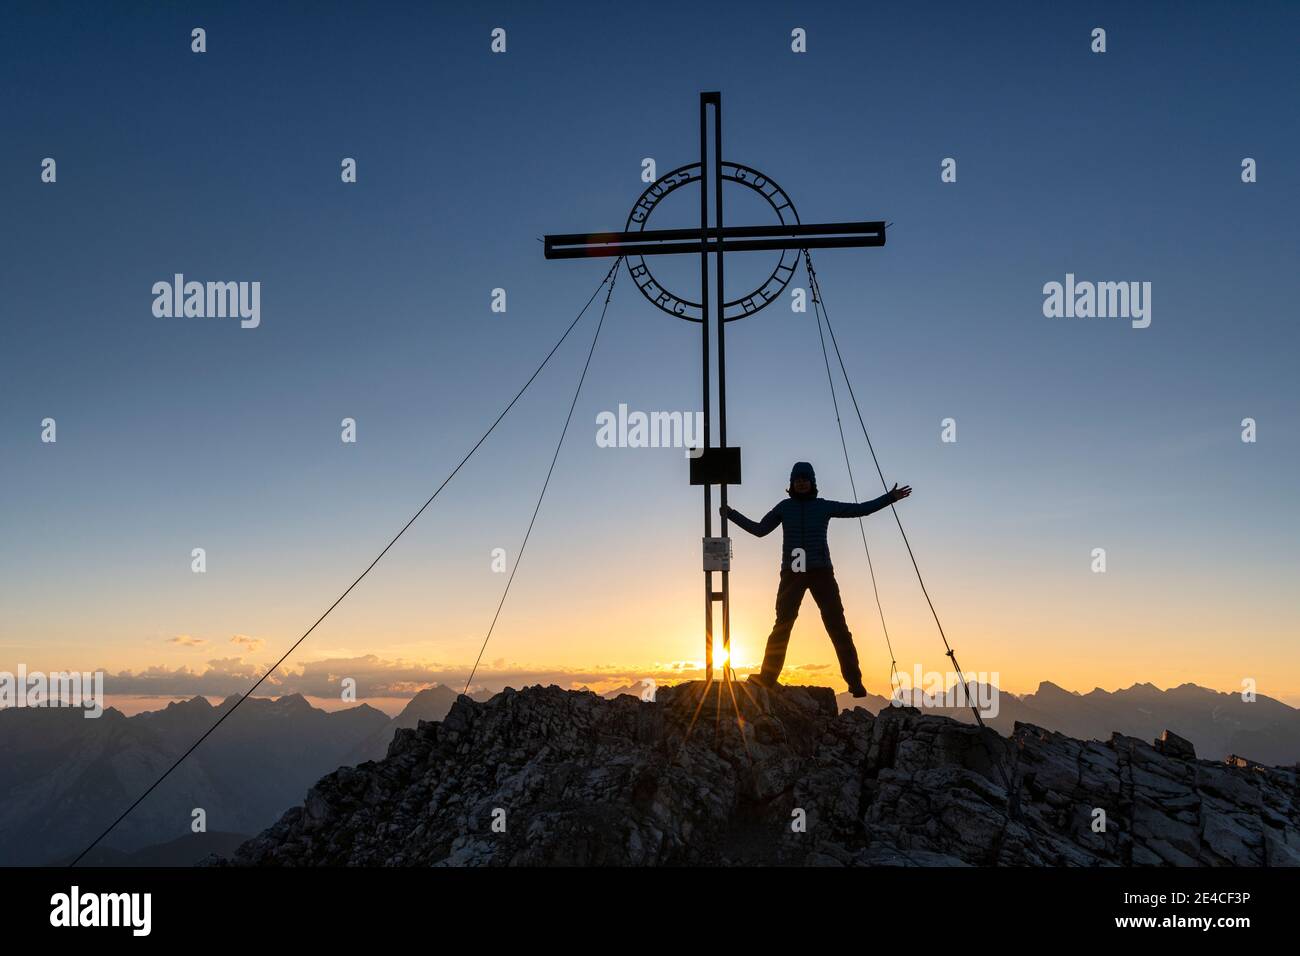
x: 662, y: 298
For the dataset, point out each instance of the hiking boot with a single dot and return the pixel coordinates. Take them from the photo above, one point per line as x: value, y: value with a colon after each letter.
x: 761, y: 681
x: 857, y: 690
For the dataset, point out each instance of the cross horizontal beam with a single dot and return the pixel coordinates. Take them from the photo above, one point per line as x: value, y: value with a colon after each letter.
x: 659, y: 242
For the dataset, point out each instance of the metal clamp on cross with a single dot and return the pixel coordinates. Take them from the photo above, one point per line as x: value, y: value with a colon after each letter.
x: 720, y: 464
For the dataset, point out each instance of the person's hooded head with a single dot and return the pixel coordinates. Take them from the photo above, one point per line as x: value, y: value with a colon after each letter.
x: 803, y: 481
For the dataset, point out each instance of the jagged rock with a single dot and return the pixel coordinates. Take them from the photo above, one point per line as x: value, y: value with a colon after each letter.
x: 1174, y: 746
x: 744, y: 775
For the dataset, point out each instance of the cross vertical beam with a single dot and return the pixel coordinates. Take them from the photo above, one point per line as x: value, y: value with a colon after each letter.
x: 716, y: 100
x: 716, y: 309
x: 704, y: 352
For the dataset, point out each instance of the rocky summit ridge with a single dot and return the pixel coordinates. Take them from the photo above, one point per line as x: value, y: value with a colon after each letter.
x: 545, y: 776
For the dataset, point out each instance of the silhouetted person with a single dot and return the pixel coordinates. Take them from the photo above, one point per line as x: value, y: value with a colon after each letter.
x: 806, y: 565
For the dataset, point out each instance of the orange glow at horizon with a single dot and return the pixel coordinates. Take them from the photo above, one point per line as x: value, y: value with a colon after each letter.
x: 621, y: 627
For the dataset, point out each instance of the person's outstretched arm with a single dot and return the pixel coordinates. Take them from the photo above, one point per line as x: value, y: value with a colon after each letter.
x: 758, y: 528
x: 848, y: 509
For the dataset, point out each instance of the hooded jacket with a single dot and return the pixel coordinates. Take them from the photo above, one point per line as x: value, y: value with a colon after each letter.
x: 804, y: 520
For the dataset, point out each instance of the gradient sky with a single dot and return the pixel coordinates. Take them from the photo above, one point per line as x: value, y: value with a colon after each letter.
x: 1072, y: 433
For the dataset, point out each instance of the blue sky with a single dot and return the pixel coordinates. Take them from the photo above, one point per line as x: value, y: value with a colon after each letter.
x: 1072, y: 434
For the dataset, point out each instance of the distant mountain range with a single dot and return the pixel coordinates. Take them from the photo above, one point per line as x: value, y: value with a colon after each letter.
x: 1218, y: 724
x: 64, y: 778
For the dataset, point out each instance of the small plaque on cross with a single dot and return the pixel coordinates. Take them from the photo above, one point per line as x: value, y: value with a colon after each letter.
x: 717, y: 554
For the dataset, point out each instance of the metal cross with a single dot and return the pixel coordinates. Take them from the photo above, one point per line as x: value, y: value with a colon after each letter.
x: 718, y: 464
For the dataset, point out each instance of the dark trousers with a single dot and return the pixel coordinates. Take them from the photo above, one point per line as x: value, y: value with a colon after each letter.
x: 826, y: 592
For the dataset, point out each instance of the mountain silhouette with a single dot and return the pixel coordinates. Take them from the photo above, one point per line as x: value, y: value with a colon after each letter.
x: 65, y: 778
x: 1218, y: 724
